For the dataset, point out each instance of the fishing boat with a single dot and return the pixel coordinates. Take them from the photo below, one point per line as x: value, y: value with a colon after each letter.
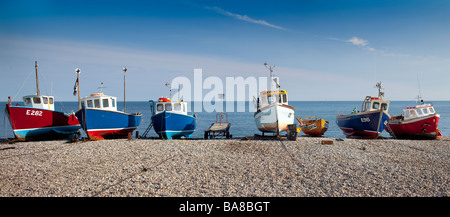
x: 100, y: 119
x: 418, y: 122
x: 170, y: 119
x: 370, y: 121
x: 312, y: 126
x: 38, y: 120
x: 273, y: 113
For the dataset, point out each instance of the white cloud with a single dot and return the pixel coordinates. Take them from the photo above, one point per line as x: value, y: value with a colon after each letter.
x: 245, y: 18
x: 358, y: 41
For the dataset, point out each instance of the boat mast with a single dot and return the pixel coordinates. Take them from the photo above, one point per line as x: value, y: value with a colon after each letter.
x: 37, y: 79
x: 78, y: 70
x: 124, y: 95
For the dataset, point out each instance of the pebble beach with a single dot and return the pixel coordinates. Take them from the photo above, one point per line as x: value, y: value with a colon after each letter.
x: 306, y: 167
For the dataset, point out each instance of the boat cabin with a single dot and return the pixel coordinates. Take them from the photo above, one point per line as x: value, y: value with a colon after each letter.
x: 374, y: 104
x: 418, y: 111
x: 269, y: 97
x: 100, y: 101
x: 39, y: 101
x: 166, y: 104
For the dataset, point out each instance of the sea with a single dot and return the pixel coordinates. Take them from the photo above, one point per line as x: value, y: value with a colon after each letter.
x: 242, y: 120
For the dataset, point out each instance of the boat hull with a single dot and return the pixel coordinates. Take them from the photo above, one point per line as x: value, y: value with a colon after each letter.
x: 275, y: 117
x: 417, y: 128
x: 315, y: 127
x: 170, y: 125
x: 104, y: 124
x: 41, y: 124
x: 365, y: 125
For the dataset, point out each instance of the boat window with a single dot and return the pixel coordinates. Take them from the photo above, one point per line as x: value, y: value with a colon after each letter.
x: 425, y: 111
x: 284, y: 98
x: 177, y: 107
x: 50, y: 99
x: 264, y: 100
x: 160, y: 107
x: 366, y: 106
x: 432, y: 110
x: 384, y: 106
x: 412, y: 113
x: 89, y: 104
x: 168, y: 106
x: 270, y: 99
x: 105, y: 103
x: 419, y: 111
x: 27, y: 101
x: 45, y: 100
x: 96, y: 103
x: 37, y: 100
x: 113, y: 102
x: 406, y: 113
x: 376, y: 105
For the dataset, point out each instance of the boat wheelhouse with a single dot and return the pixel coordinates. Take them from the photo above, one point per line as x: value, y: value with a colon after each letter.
x: 100, y: 101
x: 39, y: 101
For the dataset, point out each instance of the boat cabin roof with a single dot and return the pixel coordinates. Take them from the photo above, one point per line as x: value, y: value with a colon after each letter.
x: 418, y: 111
x: 272, y: 92
x: 166, y: 104
x: 100, y: 101
x: 269, y: 97
x: 374, y: 104
x: 39, y: 101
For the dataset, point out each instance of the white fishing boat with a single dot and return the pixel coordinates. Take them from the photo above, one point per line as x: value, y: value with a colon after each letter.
x: 273, y: 113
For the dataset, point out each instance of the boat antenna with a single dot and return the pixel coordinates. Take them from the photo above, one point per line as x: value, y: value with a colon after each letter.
x: 271, y: 75
x: 170, y: 89
x: 179, y: 87
x: 101, y: 87
x: 37, y: 79
x: 419, y: 97
x: 380, y: 94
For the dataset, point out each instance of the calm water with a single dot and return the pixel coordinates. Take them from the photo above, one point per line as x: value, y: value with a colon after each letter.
x: 243, y: 124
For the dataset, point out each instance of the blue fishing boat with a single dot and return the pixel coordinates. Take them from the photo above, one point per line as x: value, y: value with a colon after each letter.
x: 100, y: 119
x: 170, y: 119
x: 370, y: 121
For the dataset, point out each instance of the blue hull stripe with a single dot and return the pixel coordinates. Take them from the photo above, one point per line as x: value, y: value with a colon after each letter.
x: 94, y: 119
x: 47, y: 132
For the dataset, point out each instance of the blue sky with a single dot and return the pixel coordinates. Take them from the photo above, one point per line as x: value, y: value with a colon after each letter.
x: 323, y: 50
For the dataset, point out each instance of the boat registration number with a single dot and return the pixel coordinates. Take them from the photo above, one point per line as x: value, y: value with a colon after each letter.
x: 34, y: 113
x: 365, y: 120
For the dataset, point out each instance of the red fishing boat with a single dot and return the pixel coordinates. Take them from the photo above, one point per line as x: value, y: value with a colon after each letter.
x: 418, y: 122
x: 38, y: 120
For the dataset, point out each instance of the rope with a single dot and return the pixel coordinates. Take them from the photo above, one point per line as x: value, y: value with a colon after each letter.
x: 23, y: 84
